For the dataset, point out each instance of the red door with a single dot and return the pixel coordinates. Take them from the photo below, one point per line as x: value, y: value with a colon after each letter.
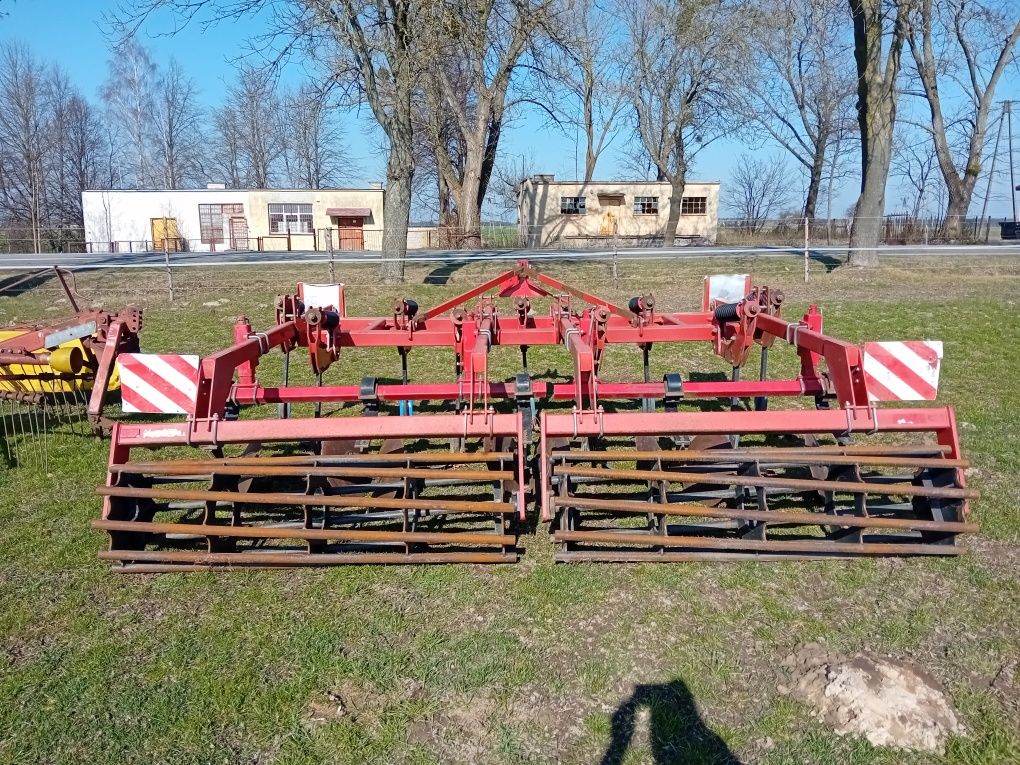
x: 352, y: 235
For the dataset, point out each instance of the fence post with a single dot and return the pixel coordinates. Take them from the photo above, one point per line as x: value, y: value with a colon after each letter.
x: 329, y: 248
x: 169, y: 271
x: 806, y: 258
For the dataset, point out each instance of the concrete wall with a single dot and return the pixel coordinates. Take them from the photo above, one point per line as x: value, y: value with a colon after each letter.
x: 609, y: 211
x: 124, y: 217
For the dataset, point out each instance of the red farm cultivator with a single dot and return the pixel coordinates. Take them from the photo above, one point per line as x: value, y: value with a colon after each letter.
x: 706, y: 468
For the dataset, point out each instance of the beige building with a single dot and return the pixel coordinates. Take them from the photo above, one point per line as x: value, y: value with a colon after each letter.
x: 216, y: 219
x: 574, y: 212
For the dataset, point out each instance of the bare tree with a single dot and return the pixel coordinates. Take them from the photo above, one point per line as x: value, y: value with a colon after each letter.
x: 758, y: 190
x: 253, y: 125
x: 803, y: 93
x: 916, y: 166
x: 368, y: 50
x: 226, y: 161
x: 880, y: 28
x: 23, y: 118
x: 375, y: 48
x: 966, y: 45
x: 473, y: 68
x: 317, y: 156
x: 87, y: 164
x: 680, y: 84
x: 177, y: 129
x: 128, y: 94
x: 587, y: 65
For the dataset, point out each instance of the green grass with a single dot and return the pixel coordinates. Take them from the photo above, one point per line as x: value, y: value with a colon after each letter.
x: 506, y: 664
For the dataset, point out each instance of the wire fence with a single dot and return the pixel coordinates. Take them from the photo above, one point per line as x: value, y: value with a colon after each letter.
x: 555, y: 235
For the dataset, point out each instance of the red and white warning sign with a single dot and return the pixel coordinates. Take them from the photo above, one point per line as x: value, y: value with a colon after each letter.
x: 902, y: 371
x: 158, y: 383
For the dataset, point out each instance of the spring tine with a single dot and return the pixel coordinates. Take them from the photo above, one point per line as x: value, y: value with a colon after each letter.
x: 34, y: 451
x: 3, y: 423
x: 16, y: 427
x: 78, y: 414
x: 45, y: 440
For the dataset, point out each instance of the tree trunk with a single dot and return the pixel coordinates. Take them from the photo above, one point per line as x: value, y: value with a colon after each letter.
x: 470, y: 213
x: 675, y: 200
x: 866, y: 231
x: 876, y: 115
x: 396, y: 207
x: 815, y: 179
x: 956, y: 210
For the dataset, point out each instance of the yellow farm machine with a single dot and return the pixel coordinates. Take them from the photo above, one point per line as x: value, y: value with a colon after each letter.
x: 61, y: 370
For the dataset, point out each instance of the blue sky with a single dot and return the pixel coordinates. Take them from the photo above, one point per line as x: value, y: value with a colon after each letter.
x: 69, y: 33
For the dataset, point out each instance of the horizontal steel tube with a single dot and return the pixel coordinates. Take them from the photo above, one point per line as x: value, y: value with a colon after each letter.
x: 307, y: 500
x: 298, y: 471
x: 343, y: 459
x: 335, y: 535
x: 767, y: 545
x: 278, y: 560
x: 799, y: 484
x: 211, y: 432
x: 726, y: 423
x: 766, y: 516
x: 807, y: 456
x: 706, y: 556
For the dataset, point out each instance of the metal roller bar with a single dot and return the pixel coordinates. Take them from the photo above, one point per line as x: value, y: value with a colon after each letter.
x: 333, y: 535
x: 762, y: 545
x: 764, y: 455
x: 308, y: 500
x: 450, y: 458
x: 297, y: 559
x: 301, y: 471
x: 797, y: 484
x: 765, y: 516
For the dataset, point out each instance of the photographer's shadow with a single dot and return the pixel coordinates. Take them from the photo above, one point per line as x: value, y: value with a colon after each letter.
x: 677, y: 733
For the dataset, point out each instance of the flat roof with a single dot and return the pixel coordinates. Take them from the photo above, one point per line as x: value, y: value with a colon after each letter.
x: 192, y: 191
x: 619, y: 183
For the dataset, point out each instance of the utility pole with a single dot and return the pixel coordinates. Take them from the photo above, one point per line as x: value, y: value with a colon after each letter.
x: 1009, y: 131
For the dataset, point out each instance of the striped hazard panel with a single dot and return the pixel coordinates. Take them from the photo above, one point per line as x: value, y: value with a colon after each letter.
x: 902, y: 371
x: 158, y: 383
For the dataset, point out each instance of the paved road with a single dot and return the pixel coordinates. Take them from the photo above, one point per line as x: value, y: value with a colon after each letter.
x: 29, y: 262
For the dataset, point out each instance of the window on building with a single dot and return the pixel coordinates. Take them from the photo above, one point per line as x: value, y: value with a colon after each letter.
x: 295, y: 218
x: 572, y: 206
x: 210, y: 221
x: 646, y: 205
x: 694, y: 206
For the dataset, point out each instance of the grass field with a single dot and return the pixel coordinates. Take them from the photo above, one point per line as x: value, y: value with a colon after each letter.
x: 524, y: 663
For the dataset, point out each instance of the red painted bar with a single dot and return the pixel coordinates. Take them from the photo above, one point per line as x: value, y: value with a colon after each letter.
x: 208, y: 432
x: 856, y: 420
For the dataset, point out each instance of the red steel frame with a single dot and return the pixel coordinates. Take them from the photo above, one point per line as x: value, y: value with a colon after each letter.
x: 229, y: 375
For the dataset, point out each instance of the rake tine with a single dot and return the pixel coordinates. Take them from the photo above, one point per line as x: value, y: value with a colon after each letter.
x: 3, y: 423
x: 45, y: 440
x: 16, y: 430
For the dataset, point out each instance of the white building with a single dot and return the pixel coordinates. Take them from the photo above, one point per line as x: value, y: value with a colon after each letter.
x: 215, y: 219
x: 574, y: 212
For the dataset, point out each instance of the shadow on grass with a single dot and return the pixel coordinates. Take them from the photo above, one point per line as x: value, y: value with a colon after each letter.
x: 442, y: 274
x: 677, y: 733
x: 831, y: 263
